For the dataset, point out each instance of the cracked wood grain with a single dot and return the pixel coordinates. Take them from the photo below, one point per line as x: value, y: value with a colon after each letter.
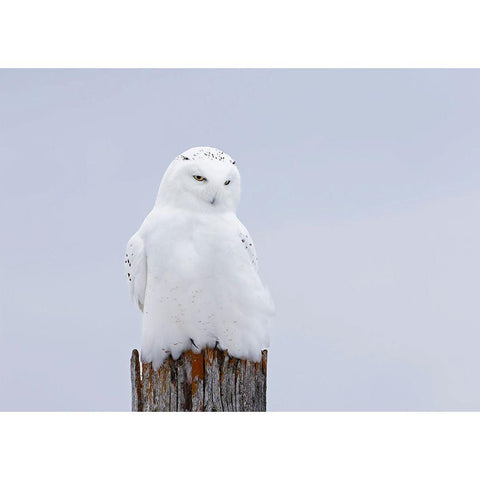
x: 209, y: 381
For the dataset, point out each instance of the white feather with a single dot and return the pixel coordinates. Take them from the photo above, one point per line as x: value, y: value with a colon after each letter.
x: 193, y: 266
x: 136, y: 269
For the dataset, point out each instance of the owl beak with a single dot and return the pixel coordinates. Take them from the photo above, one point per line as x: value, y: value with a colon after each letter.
x: 212, y: 201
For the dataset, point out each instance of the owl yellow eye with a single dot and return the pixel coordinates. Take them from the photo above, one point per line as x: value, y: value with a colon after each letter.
x: 199, y: 178
x: 227, y: 182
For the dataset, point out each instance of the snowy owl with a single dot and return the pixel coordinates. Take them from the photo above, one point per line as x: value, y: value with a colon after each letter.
x: 192, y: 267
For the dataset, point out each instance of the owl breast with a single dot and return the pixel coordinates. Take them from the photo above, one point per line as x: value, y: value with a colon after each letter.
x: 201, y: 287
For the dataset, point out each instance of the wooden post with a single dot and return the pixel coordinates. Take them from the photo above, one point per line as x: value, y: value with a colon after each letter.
x: 209, y: 381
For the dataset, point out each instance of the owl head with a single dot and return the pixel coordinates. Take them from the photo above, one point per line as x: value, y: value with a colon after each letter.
x: 201, y: 178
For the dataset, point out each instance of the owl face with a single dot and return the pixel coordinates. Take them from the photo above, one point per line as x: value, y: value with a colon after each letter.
x: 202, y: 178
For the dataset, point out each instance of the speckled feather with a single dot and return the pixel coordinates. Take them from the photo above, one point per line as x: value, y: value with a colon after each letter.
x: 192, y: 266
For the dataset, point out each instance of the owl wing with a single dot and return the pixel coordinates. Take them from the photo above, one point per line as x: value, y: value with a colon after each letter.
x: 248, y: 245
x: 136, y: 269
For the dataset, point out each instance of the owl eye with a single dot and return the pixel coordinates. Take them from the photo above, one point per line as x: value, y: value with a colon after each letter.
x: 199, y: 178
x: 227, y: 182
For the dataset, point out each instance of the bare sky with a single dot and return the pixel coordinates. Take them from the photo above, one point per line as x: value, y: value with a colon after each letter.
x: 360, y: 189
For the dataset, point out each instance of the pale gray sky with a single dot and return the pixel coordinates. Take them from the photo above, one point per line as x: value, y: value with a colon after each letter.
x: 360, y: 189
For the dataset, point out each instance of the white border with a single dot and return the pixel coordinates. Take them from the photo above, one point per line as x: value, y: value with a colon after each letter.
x: 240, y: 446
x: 250, y: 33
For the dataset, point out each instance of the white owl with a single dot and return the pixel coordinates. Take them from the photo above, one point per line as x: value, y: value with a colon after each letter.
x: 192, y: 267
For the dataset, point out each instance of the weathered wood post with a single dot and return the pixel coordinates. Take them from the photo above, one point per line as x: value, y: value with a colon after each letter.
x: 209, y: 381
